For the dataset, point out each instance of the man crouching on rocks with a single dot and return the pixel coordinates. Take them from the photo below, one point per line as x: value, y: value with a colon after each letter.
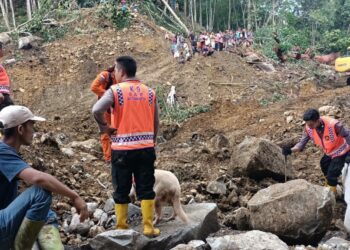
x: 23, y: 216
x: 332, y: 137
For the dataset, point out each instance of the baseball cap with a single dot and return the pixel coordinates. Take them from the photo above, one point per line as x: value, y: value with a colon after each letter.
x: 14, y: 115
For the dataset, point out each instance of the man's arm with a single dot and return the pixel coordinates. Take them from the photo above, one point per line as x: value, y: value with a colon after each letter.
x: 97, y: 85
x: 302, y: 143
x: 50, y: 183
x: 342, y: 131
x: 100, y: 107
x: 156, y: 121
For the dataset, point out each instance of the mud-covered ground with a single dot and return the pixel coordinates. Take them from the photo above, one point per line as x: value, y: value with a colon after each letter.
x: 54, y: 81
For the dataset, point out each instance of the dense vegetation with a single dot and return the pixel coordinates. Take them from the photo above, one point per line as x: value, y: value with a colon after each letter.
x: 321, y: 24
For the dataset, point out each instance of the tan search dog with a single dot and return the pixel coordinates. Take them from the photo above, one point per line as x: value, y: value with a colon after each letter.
x: 168, y: 192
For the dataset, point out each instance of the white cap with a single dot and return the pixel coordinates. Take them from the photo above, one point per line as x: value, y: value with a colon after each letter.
x: 14, y: 115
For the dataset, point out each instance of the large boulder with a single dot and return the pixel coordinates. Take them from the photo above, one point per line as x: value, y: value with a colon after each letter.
x: 203, y: 221
x: 255, y: 239
x: 335, y: 244
x: 259, y: 158
x: 297, y: 211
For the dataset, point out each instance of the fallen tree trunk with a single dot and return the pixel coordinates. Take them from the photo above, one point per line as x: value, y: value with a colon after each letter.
x: 176, y: 17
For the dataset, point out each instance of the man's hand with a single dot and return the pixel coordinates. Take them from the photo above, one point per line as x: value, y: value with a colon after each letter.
x: 81, y: 207
x: 110, y: 131
x: 286, y: 150
x: 2, y: 98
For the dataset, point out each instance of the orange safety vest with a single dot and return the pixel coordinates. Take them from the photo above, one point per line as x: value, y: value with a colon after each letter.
x: 133, y: 116
x: 4, y: 81
x: 102, y: 82
x: 332, y: 144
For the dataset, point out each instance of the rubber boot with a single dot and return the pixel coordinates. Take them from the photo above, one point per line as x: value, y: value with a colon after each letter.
x: 49, y: 238
x: 147, y: 209
x: 27, y: 234
x: 121, y: 212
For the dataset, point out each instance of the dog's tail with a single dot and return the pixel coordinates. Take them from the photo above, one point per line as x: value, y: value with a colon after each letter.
x: 179, y: 211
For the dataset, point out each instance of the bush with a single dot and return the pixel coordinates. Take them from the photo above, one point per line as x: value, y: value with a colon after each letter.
x: 288, y: 36
x: 177, y: 113
x: 334, y: 41
x: 110, y: 10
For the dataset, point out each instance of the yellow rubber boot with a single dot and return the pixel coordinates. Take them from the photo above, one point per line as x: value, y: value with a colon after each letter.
x: 147, y: 209
x: 49, y: 238
x: 27, y: 234
x: 121, y: 212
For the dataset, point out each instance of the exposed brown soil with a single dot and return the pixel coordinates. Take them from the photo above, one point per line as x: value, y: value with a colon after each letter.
x: 54, y: 81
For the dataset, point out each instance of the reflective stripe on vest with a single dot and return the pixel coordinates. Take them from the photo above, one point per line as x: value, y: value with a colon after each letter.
x: 4, y: 81
x: 331, y: 144
x: 133, y: 116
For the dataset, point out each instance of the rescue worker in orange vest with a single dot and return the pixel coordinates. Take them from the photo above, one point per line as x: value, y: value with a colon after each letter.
x: 332, y: 137
x: 133, y: 132
x: 5, y: 90
x: 103, y: 82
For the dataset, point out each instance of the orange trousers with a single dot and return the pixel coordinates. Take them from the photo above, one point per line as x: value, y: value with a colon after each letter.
x: 106, y: 140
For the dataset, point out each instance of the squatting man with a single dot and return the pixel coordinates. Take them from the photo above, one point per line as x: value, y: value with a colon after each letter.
x: 333, y: 137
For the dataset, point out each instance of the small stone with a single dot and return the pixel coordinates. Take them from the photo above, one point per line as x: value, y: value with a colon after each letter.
x: 63, y: 206
x: 98, y: 213
x: 95, y: 230
x: 109, y: 205
x: 67, y: 152
x: 289, y: 119
x: 193, y: 192
x: 91, y: 206
x: 215, y: 187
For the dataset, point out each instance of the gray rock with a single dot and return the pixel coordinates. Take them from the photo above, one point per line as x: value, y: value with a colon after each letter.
x: 88, y: 144
x: 267, y: 67
x: 335, y: 244
x: 134, y: 215
x: 10, y: 61
x: 297, y: 211
x: 242, y: 218
x: 98, y: 214
x: 253, y: 58
x: 203, y: 221
x: 192, y: 245
x: 68, y: 152
x: 109, y: 205
x: 215, y: 187
x: 259, y: 158
x: 77, y: 227
x: 27, y: 42
x: 91, y: 206
x: 302, y: 247
x: 95, y: 230
x: 330, y: 111
x: 255, y: 239
x: 5, y: 38
x: 119, y: 240
x: 103, y: 219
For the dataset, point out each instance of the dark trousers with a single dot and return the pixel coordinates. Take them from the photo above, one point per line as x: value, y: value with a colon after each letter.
x: 332, y: 168
x: 139, y: 163
x: 7, y: 101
